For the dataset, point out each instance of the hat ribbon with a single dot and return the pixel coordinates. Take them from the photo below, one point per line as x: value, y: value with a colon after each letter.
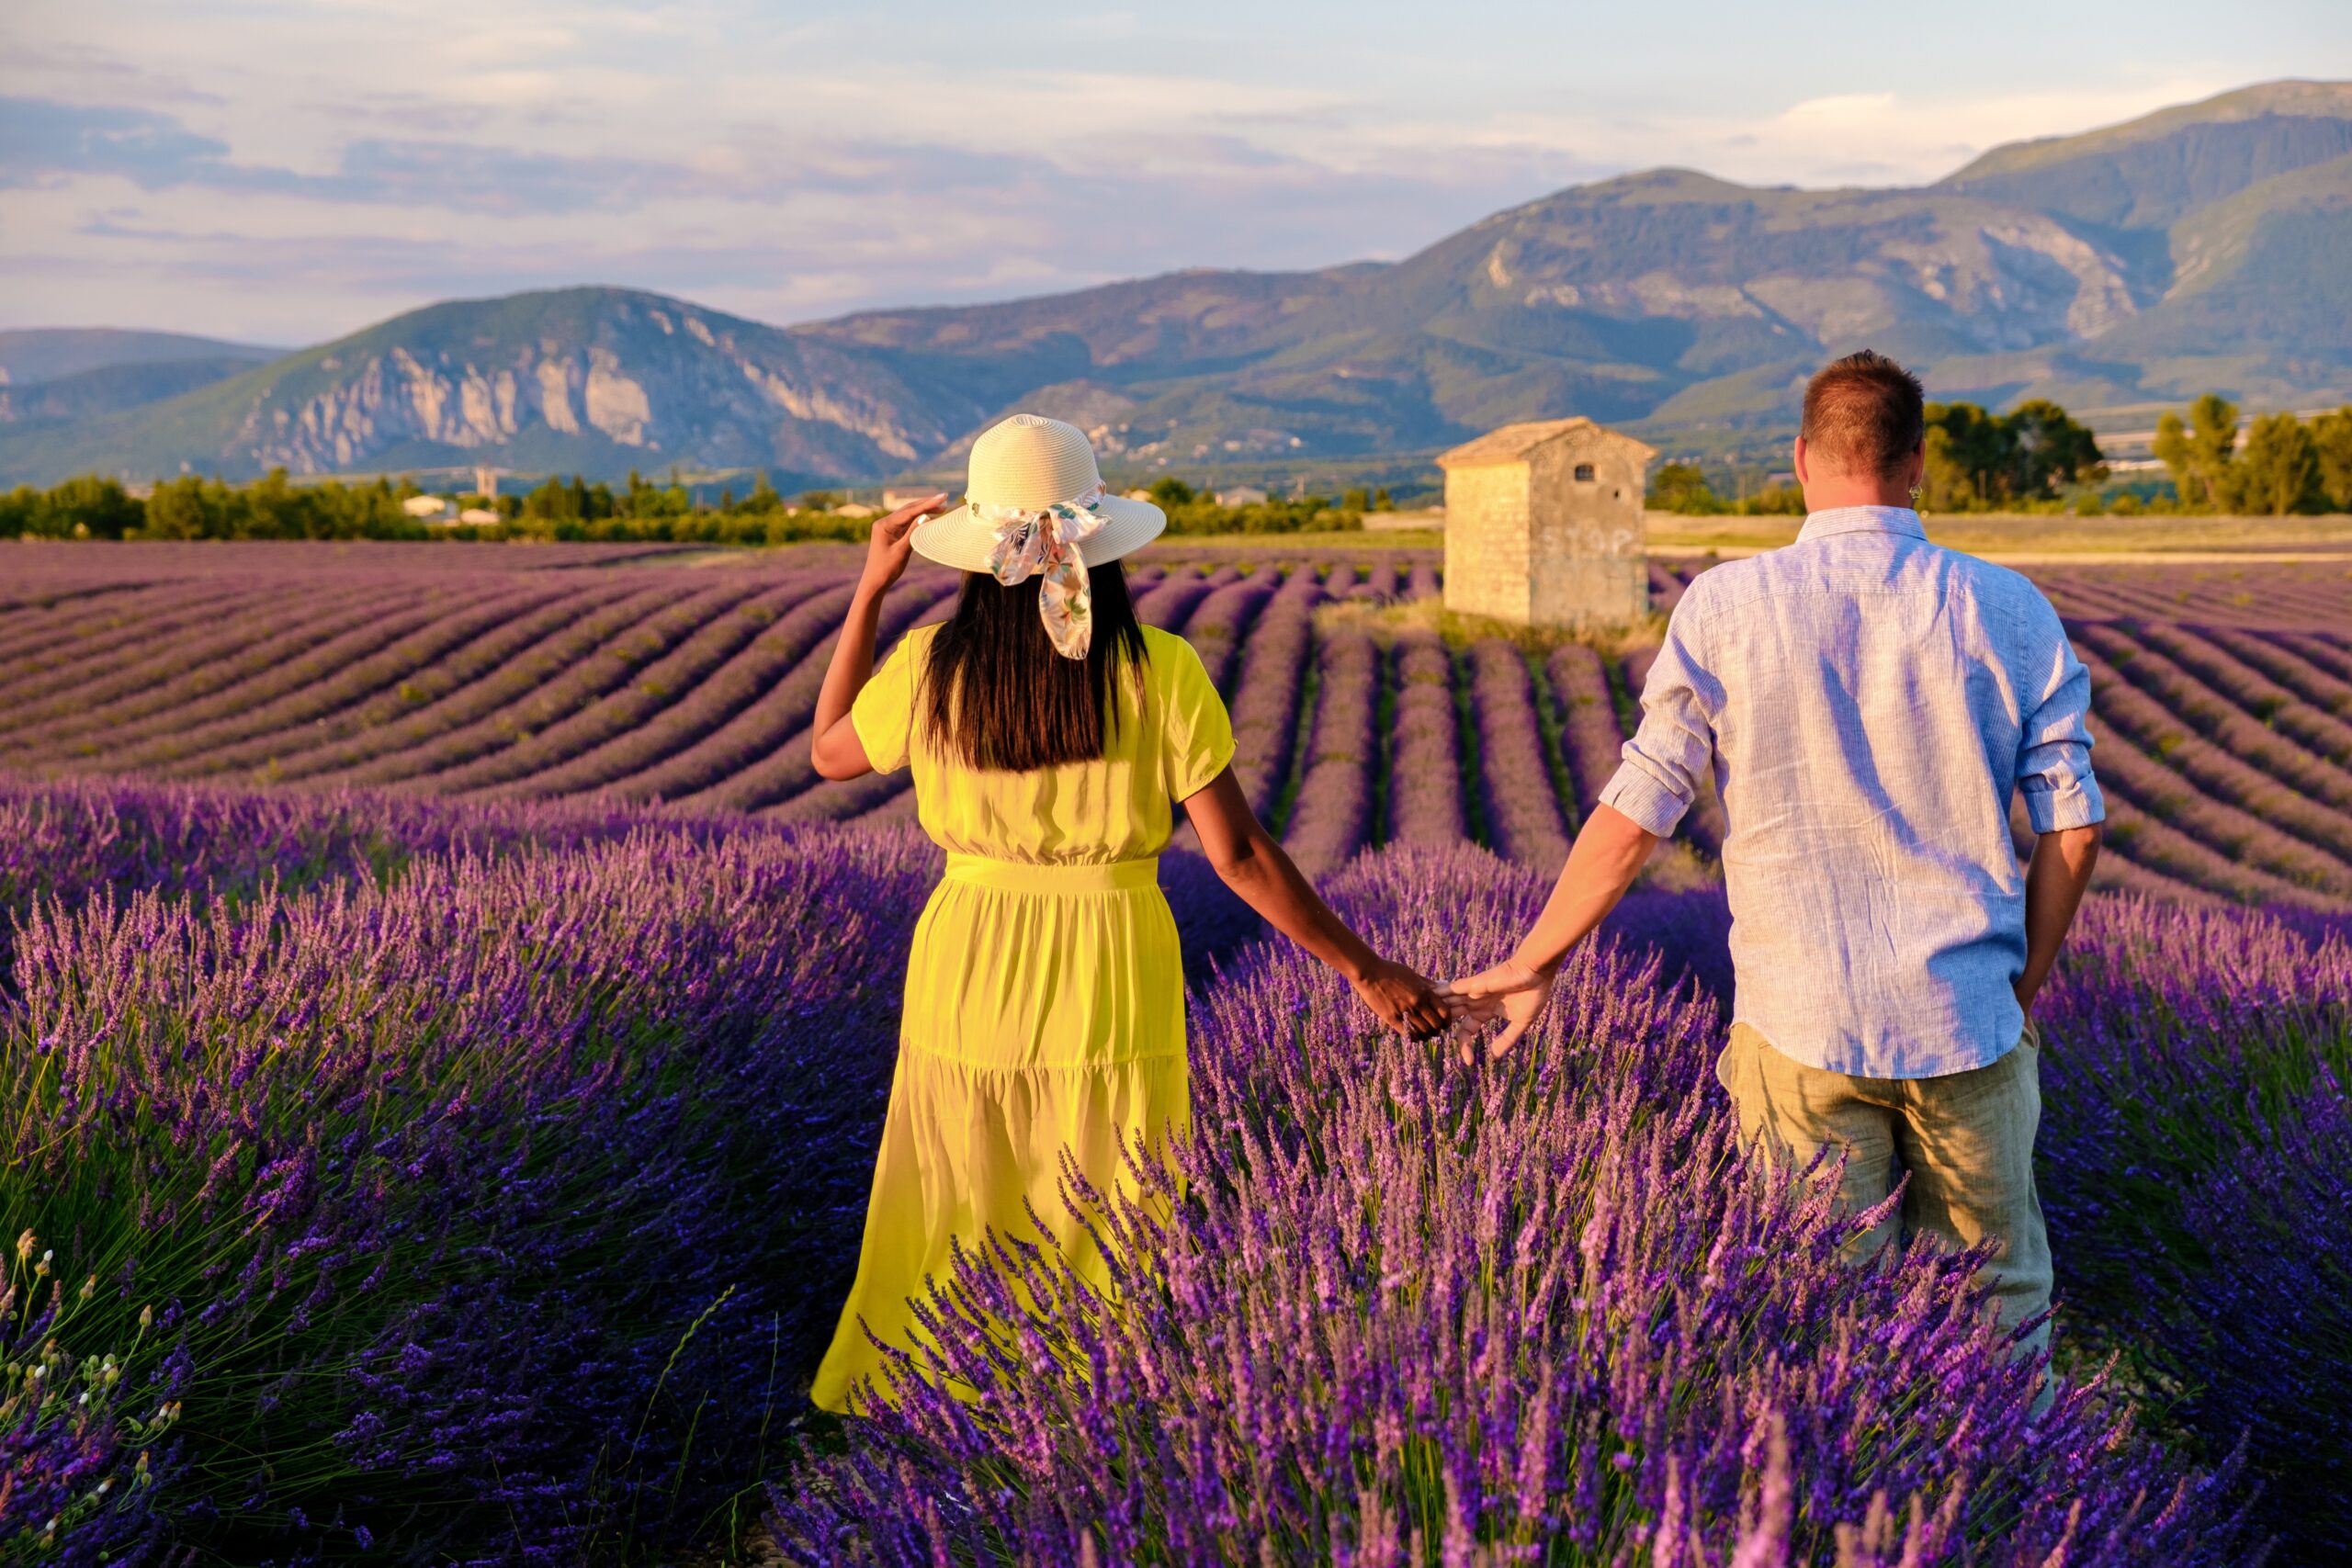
x: 1042, y: 542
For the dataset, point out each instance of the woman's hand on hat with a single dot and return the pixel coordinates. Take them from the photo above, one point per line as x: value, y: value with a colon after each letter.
x: 892, y: 542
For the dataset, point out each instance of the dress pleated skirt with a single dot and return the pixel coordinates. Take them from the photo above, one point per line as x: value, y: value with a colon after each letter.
x: 1045, y: 1011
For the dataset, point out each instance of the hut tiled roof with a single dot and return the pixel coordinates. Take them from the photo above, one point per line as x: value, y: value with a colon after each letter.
x: 1513, y: 441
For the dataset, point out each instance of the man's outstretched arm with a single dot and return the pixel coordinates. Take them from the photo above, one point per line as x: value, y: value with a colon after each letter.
x: 1609, y: 854
x: 2055, y: 880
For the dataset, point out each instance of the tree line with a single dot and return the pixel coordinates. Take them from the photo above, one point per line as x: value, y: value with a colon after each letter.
x: 2030, y: 459
x: 2283, y: 465
x: 572, y: 510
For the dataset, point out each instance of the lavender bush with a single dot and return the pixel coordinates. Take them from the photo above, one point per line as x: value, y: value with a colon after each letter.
x: 2193, y: 1156
x: 499, y: 1207
x: 1386, y: 1311
x: 84, y: 1440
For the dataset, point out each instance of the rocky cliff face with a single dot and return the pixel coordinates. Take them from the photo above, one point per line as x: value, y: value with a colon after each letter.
x: 656, y: 381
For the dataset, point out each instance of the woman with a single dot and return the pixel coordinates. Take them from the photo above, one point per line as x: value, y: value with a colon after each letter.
x: 1051, y: 737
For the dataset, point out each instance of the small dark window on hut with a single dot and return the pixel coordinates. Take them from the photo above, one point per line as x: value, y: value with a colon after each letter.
x: 1584, y: 473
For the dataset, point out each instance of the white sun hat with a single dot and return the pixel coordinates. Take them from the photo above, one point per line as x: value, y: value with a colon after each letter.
x: 1025, y: 469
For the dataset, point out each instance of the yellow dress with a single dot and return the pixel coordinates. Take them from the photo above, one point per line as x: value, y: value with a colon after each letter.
x: 1045, y: 1000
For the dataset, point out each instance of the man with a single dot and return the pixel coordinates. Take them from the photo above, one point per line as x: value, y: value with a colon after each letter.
x: 1867, y: 703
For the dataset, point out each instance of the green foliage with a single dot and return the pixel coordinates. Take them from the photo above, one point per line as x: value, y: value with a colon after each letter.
x: 1775, y: 501
x: 2331, y: 435
x: 2278, y: 472
x: 1169, y: 493
x: 274, y: 507
x: 86, y: 508
x: 1978, y: 460
x: 1683, y: 488
x: 2199, y: 451
x: 1276, y: 514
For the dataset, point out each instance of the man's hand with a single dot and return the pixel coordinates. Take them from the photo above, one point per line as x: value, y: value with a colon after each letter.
x: 1516, y: 993
x: 892, y: 543
x: 1401, y: 998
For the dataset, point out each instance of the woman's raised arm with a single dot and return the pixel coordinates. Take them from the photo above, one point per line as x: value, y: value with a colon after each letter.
x: 834, y: 747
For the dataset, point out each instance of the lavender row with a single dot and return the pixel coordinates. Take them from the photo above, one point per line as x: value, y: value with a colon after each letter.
x: 546, y: 690
x: 1591, y: 742
x: 2138, y: 720
x: 1219, y: 627
x: 256, y: 677
x: 456, y: 699
x: 1524, y: 818
x: 1425, y: 783
x: 2328, y: 691
x: 218, y: 738
x: 1265, y: 700
x: 2322, y: 731
x: 156, y: 680
x: 783, y: 641
x: 38, y: 650
x: 1332, y: 818
x: 156, y: 740
x: 665, y: 663
x: 2222, y: 717
x: 762, y: 772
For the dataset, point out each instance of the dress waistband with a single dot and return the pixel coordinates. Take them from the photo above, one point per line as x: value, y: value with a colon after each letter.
x: 1025, y: 876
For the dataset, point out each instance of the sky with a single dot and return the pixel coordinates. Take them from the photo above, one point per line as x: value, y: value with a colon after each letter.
x: 288, y: 171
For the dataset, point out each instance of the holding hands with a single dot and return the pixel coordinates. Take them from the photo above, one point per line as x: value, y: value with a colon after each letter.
x: 1514, y: 992
x: 1400, y: 998
x: 1608, y: 855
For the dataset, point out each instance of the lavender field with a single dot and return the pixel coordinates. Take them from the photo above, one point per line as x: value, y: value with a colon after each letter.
x: 445, y: 1025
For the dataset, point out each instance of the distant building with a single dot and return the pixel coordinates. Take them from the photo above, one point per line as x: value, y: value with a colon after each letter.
x: 486, y: 481
x: 894, y: 498
x: 856, y: 509
x: 1241, y: 495
x: 479, y: 515
x: 1543, y: 524
x: 425, y: 508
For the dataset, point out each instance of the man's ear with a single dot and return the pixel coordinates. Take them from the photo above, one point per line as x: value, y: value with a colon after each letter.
x: 1915, y: 470
x: 1796, y: 459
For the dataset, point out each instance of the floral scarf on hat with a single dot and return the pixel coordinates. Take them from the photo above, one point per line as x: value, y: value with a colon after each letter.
x: 1045, y: 544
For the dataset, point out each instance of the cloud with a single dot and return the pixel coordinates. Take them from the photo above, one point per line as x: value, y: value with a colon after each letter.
x: 291, y: 168
x: 38, y: 137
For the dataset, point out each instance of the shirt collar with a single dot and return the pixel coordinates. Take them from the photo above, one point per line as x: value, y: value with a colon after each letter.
x: 1862, y: 520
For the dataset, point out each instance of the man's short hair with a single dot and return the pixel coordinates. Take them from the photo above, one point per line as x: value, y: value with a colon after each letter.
x: 1863, y: 414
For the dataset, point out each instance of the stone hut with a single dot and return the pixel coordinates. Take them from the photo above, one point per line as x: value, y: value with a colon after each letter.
x: 1543, y: 524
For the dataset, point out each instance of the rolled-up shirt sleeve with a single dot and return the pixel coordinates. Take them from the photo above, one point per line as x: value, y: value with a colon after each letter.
x: 1674, y: 744
x: 2054, y: 750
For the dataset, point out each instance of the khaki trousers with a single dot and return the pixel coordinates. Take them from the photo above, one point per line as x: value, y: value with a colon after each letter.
x: 1966, y: 1140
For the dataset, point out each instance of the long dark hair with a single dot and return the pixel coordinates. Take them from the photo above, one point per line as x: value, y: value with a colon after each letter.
x: 997, y: 696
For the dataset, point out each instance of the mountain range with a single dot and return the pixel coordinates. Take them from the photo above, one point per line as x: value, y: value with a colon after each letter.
x: 2199, y: 248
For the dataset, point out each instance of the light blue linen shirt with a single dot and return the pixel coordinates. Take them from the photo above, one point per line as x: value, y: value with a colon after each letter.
x: 1869, y: 702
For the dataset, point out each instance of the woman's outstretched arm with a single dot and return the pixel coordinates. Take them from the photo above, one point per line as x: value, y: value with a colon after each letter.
x: 1255, y: 868
x: 834, y: 747
x: 1608, y: 855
